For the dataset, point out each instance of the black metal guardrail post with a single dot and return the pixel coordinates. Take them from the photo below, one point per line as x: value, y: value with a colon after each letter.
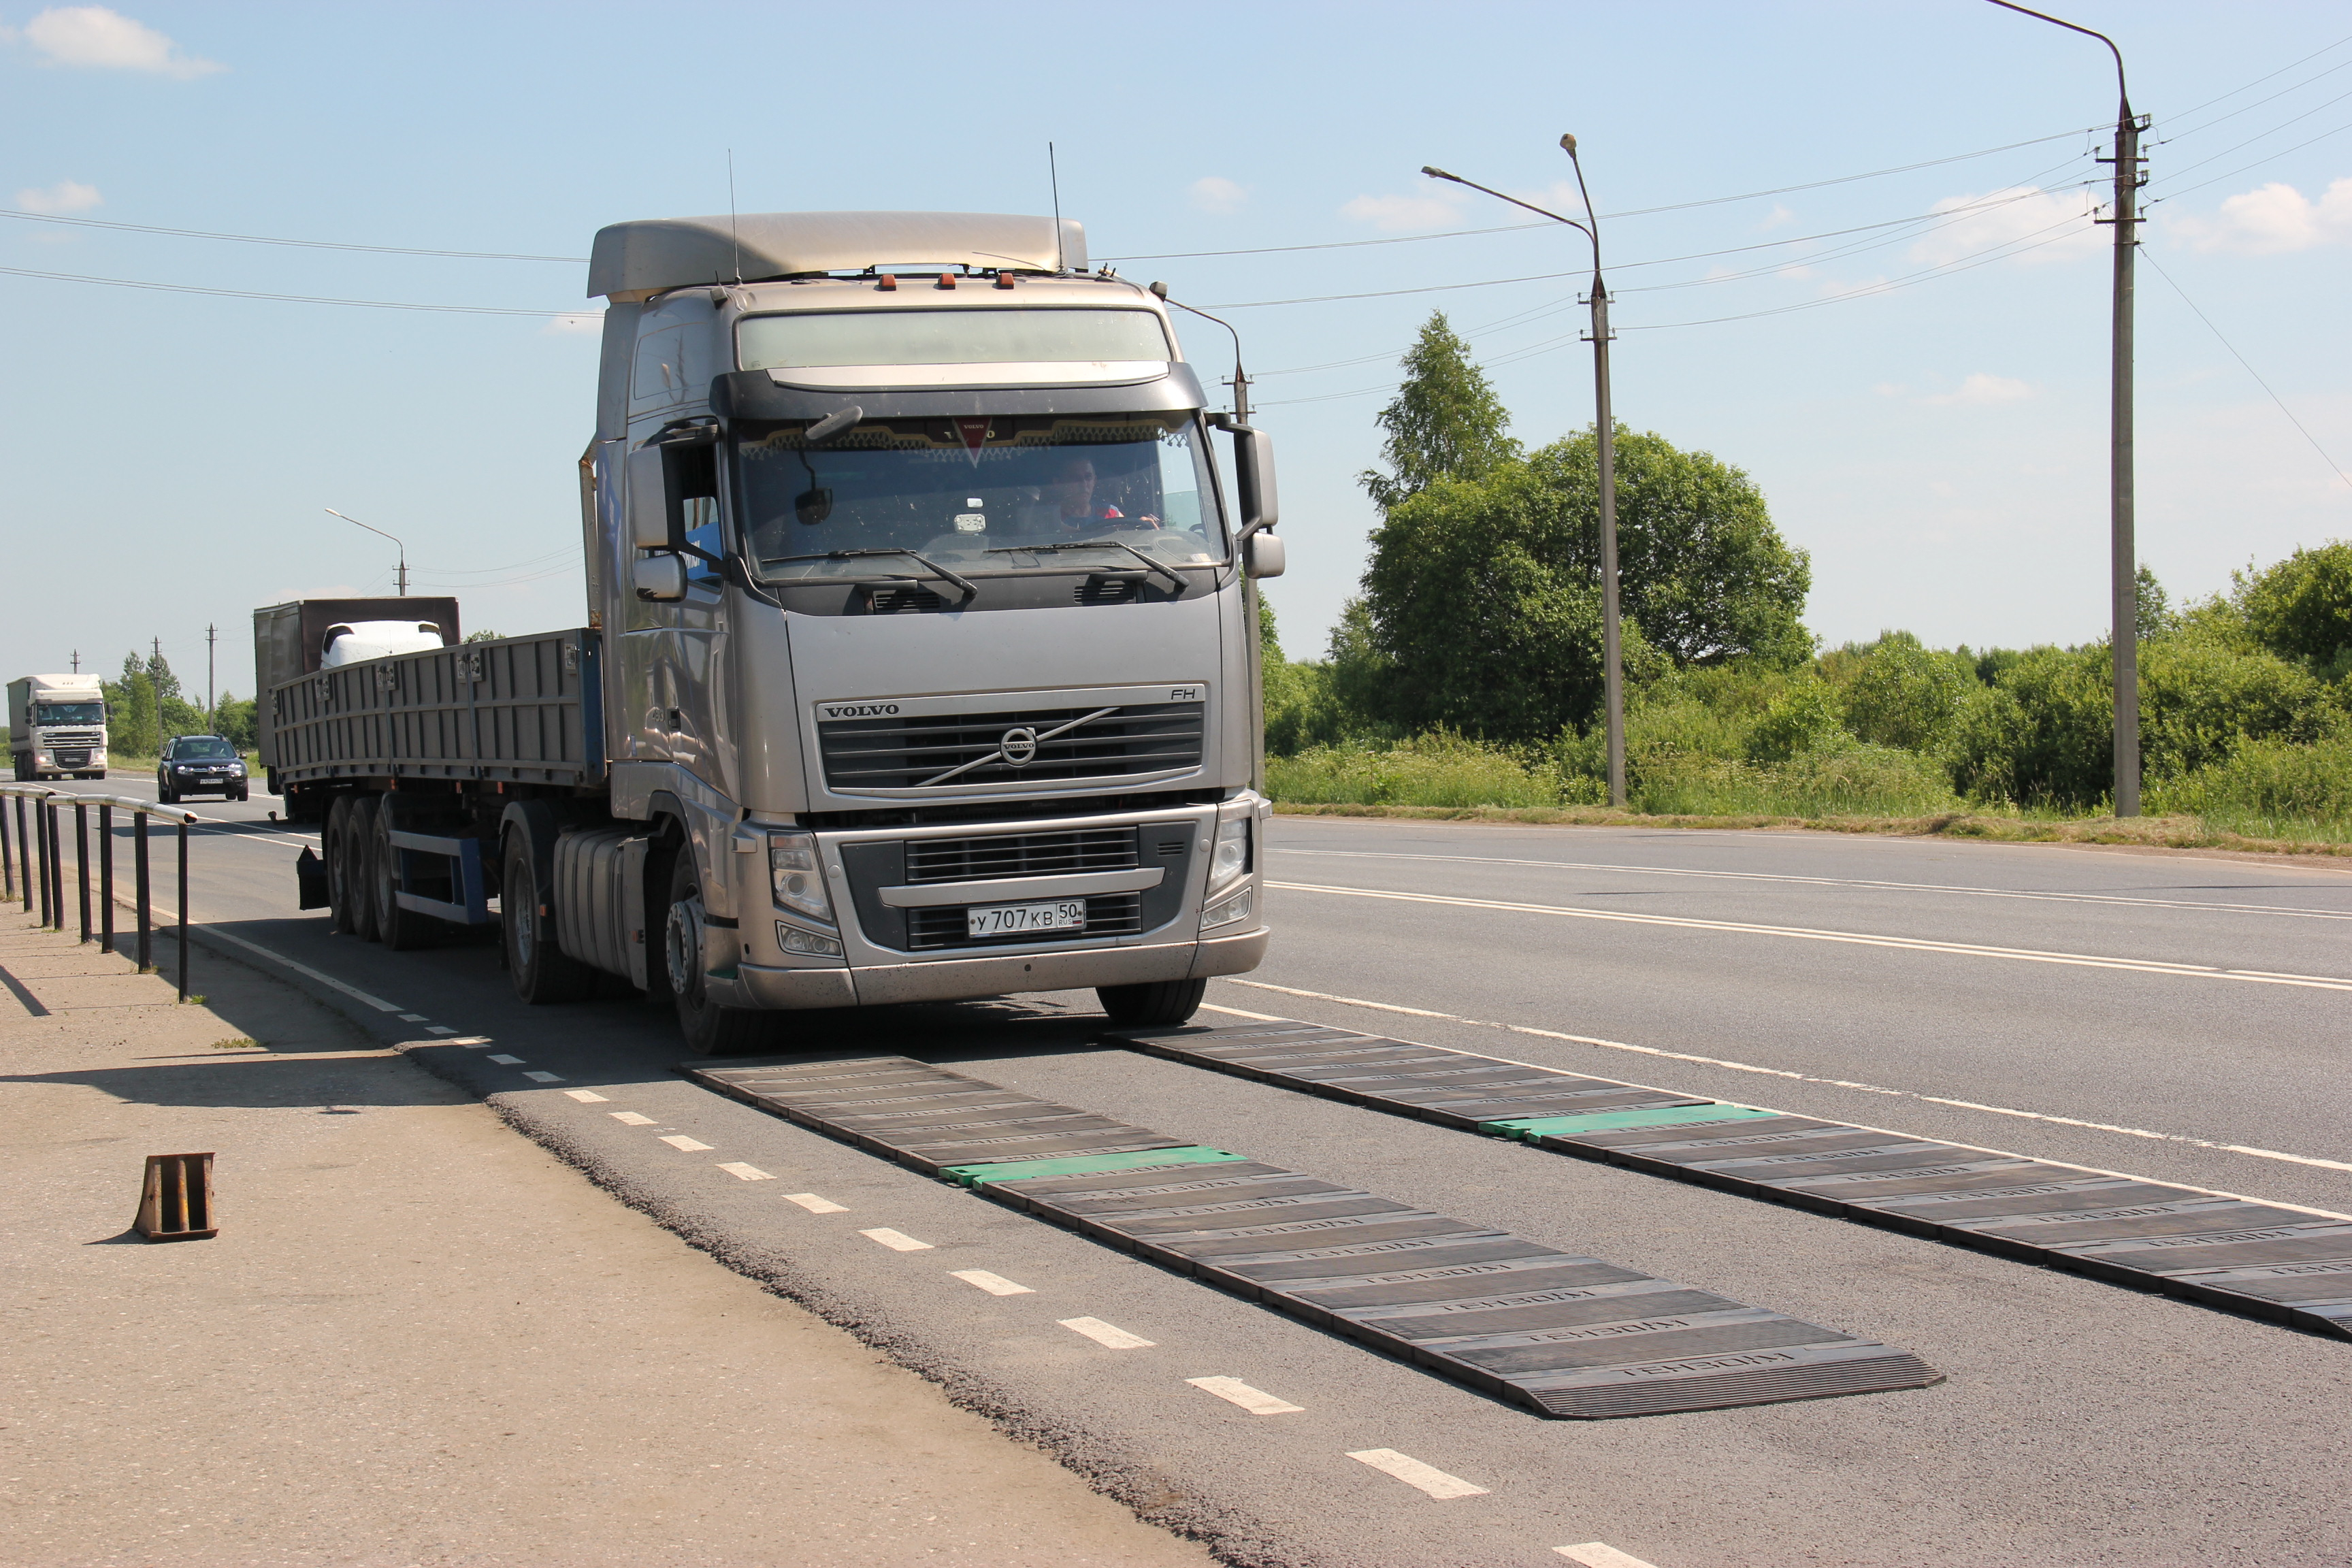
x: 7, y: 860
x: 52, y: 885
x: 146, y: 943
x: 106, y: 878
x: 183, y: 909
x: 24, y: 856
x: 81, y: 862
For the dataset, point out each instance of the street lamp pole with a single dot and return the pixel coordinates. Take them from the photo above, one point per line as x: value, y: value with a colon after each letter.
x: 355, y: 522
x: 2123, y: 552
x: 1612, y: 674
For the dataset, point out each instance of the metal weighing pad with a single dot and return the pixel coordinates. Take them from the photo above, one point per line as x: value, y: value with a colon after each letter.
x: 1562, y: 1334
x: 2284, y: 1265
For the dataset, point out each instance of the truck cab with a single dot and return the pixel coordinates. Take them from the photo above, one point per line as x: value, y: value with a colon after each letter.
x: 56, y: 726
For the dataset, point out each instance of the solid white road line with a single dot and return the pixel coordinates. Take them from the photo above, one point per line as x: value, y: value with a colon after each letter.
x: 896, y: 1240
x: 742, y: 1172
x: 1838, y: 883
x: 1256, y: 1401
x: 544, y: 1077
x: 995, y: 1284
x: 630, y: 1118
x: 815, y: 1205
x: 1848, y: 937
x: 1103, y: 1335
x: 1413, y: 1473
x: 1599, y: 1554
x: 1832, y: 1082
x: 329, y: 981
x: 586, y: 1097
x: 686, y: 1144
x: 507, y: 1061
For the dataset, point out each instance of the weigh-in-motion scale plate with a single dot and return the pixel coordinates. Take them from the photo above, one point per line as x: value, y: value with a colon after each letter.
x: 2281, y: 1264
x: 1563, y: 1335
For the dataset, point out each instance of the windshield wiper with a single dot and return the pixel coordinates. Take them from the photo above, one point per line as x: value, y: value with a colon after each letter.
x: 929, y: 564
x: 1175, y: 580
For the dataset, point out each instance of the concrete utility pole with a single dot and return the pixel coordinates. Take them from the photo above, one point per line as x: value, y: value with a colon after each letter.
x: 2123, y: 552
x: 77, y: 661
x: 212, y: 715
x: 1612, y: 674
x: 380, y: 534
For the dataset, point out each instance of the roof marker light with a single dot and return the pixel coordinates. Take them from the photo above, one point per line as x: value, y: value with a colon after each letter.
x: 947, y: 280
x: 890, y: 281
x: 1005, y: 280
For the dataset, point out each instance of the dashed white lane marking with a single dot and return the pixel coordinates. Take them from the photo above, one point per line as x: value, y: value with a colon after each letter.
x: 329, y: 981
x: 1256, y: 1401
x: 1104, y: 1335
x: 544, y: 1077
x: 1850, y: 938
x: 586, y: 1097
x: 815, y: 1205
x: 507, y: 1061
x: 1413, y: 1473
x: 742, y: 1172
x: 412, y: 1017
x: 1599, y: 1554
x: 995, y: 1284
x: 439, y: 1029
x: 1832, y: 1082
x: 690, y: 1145
x: 896, y: 1241
x: 630, y: 1118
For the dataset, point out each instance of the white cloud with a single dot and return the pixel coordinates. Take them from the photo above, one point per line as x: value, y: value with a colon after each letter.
x: 1436, y: 208
x: 1775, y: 218
x: 1215, y: 194
x: 2274, y: 218
x: 2026, y: 213
x: 65, y: 197
x: 1979, y: 390
x: 580, y: 323
x: 108, y: 40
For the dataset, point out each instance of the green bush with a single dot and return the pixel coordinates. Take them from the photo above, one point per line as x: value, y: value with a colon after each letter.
x: 2200, y: 700
x: 2263, y: 783
x: 1804, y: 719
x: 1907, y: 697
x: 2044, y: 734
x: 1437, y: 768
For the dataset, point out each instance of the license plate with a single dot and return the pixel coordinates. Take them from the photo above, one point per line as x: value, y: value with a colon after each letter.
x: 1004, y: 919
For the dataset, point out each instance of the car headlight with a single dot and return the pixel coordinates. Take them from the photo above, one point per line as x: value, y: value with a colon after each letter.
x: 798, y: 879
x: 1231, y: 856
x: 1229, y: 911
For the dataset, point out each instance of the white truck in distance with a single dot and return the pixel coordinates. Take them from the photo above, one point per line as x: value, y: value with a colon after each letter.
x: 920, y: 659
x: 56, y: 726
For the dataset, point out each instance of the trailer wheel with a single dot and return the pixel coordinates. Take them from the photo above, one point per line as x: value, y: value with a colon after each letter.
x: 359, y: 865
x: 343, y: 912
x: 402, y: 931
x: 1158, y: 1003
x: 710, y: 1030
x: 543, y: 971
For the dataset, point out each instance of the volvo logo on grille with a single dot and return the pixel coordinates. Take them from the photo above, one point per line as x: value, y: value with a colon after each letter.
x: 1018, y: 746
x: 863, y: 710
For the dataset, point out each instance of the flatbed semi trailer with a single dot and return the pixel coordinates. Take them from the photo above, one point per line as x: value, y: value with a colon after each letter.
x: 920, y: 659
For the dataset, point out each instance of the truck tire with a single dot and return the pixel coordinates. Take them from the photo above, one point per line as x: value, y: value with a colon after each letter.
x: 341, y: 899
x: 359, y: 865
x: 402, y: 931
x: 1158, y: 1003
x: 710, y: 1030
x: 541, y: 972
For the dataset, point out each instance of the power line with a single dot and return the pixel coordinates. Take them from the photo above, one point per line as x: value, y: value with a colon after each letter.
x: 2242, y: 359
x: 2260, y: 79
x: 2271, y: 131
x: 2249, y: 108
x: 288, y: 299
x: 2265, y: 158
x: 261, y: 239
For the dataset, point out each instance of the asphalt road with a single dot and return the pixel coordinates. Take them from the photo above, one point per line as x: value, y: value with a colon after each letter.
x: 2173, y: 1016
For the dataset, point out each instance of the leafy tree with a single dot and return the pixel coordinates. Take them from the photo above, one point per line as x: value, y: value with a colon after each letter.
x: 2301, y: 607
x: 237, y: 721
x: 2045, y: 733
x: 485, y: 635
x: 1700, y: 566
x: 1445, y: 423
x: 2199, y: 701
x: 2153, y: 606
x: 1904, y: 695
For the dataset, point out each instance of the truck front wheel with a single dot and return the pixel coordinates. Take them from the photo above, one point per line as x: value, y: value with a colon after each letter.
x: 541, y: 971
x: 710, y: 1030
x: 1159, y: 1004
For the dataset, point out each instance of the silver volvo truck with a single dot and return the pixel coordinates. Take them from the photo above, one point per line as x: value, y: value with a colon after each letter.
x: 919, y: 662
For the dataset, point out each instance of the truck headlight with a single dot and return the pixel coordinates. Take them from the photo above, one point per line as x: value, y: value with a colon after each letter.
x: 799, y: 880
x: 1231, y: 856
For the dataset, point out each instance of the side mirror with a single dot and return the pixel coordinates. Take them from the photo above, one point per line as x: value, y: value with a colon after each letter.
x: 1254, y: 478
x: 1263, y: 556
x: 660, y: 578
x: 648, y: 484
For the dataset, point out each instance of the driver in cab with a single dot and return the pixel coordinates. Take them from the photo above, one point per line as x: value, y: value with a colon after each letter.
x: 1067, y: 506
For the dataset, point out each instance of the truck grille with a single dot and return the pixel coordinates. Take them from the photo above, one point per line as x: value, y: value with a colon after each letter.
x: 1108, y: 914
x: 952, y: 749
x: 1021, y: 855
x: 77, y: 759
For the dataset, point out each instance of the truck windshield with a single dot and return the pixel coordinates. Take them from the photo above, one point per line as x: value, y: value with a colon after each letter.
x: 981, y: 495
x: 70, y: 713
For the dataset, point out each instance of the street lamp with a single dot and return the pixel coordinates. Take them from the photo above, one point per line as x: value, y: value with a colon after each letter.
x: 1605, y: 427
x: 355, y: 522
x: 2123, y: 554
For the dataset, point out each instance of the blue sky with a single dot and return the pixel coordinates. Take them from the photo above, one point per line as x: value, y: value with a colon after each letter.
x: 1939, y: 445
